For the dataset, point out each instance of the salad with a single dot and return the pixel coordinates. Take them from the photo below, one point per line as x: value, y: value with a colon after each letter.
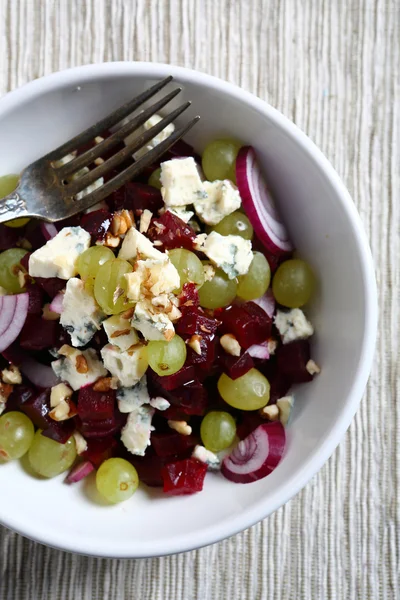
x: 158, y: 335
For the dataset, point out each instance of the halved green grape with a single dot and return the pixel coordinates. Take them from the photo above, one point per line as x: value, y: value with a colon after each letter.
x: 256, y: 281
x: 293, y: 283
x: 8, y: 183
x: 217, y: 430
x: 16, y: 435
x: 116, y: 480
x: 154, y: 179
x: 110, y: 286
x: 248, y: 392
x: 218, y: 292
x: 219, y: 159
x: 9, y: 262
x: 189, y: 267
x: 166, y: 358
x: 235, y: 224
x: 49, y: 458
x: 90, y: 261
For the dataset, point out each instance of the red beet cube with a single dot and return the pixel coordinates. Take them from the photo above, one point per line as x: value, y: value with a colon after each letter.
x: 195, y: 321
x: 189, y: 297
x: 51, y: 285
x: 171, y: 443
x: 171, y: 231
x: 99, y: 450
x: 96, y: 223
x: 149, y: 468
x: 247, y: 322
x: 103, y: 428
x: 37, y: 408
x: 191, y: 399
x: 38, y: 334
x: 235, y: 366
x: 59, y: 431
x: 9, y: 237
x: 36, y: 300
x: 136, y: 196
x: 206, y: 358
x: 158, y: 385
x: 292, y: 360
x: 280, y: 385
x: 20, y: 394
x: 181, y: 149
x: 248, y: 422
x: 95, y: 406
x: 183, y: 477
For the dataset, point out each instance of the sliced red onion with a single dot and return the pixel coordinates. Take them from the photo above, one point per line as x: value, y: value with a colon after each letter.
x: 56, y: 304
x: 257, y: 455
x: 267, y: 303
x: 259, y: 351
x: 40, y: 375
x: 80, y: 471
x: 259, y: 204
x: 13, y: 312
x: 49, y: 230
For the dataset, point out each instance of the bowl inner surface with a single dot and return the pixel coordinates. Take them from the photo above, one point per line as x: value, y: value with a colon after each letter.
x: 326, y: 230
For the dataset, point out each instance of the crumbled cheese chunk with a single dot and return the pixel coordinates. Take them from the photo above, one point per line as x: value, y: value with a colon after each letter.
x: 206, y: 456
x: 80, y: 443
x: 231, y: 253
x: 230, y: 344
x: 81, y: 316
x: 151, y: 278
x: 160, y: 137
x: 181, y: 183
x: 313, y: 368
x: 120, y: 332
x: 180, y: 426
x: 11, y: 375
x: 57, y: 258
x: 184, y: 215
x: 129, y: 366
x: 66, y: 368
x: 136, y: 434
x: 293, y: 325
x: 222, y: 199
x: 131, y: 398
x: 285, y: 406
x: 153, y: 326
x: 145, y: 219
x: 159, y: 403
x: 59, y: 393
x: 137, y: 245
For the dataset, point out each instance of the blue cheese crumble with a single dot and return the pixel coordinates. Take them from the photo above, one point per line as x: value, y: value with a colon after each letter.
x: 231, y: 253
x: 81, y: 315
x: 293, y: 325
x: 132, y: 398
x: 160, y: 137
x: 136, y: 434
x: 127, y: 367
x: 181, y: 183
x: 221, y: 200
x: 153, y: 326
x: 120, y: 333
x: 78, y: 368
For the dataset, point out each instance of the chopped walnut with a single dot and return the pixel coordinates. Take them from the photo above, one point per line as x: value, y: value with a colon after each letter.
x: 272, y: 346
x: 23, y: 278
x: 313, y: 368
x: 66, y: 350
x: 128, y: 314
x: 119, y: 333
x: 157, y: 243
x: 104, y: 384
x: 145, y: 219
x: 80, y: 443
x: 181, y: 427
x: 12, y: 375
x: 24, y: 244
x: 81, y: 364
x: 98, y: 161
x: 230, y: 344
x: 195, y: 343
x: 5, y: 391
x: 98, y: 139
x: 121, y: 222
x: 66, y: 409
x: 110, y: 241
x: 270, y: 412
x: 174, y: 314
x: 49, y: 315
x: 59, y: 393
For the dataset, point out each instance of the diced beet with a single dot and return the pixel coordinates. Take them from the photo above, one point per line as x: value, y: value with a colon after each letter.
x: 149, y: 468
x: 99, y: 450
x: 195, y: 321
x: 34, y: 235
x: 36, y: 300
x: 207, y: 356
x: 171, y: 231
x: 9, y: 237
x: 247, y: 423
x: 183, y: 476
x: 247, y: 322
x: 37, y: 408
x: 24, y: 262
x: 38, y: 334
x: 181, y: 149
x: 157, y: 384
x: 280, y: 385
x: 136, y: 196
x: 191, y: 399
x: 235, y: 366
x: 59, y: 431
x: 51, y: 285
x: 171, y: 443
x: 104, y: 428
x: 292, y: 360
x: 96, y: 223
x: 189, y: 297
x: 20, y: 394
x: 95, y: 406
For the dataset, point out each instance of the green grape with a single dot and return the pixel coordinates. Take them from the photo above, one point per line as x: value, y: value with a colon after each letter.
x: 154, y: 179
x: 9, y: 262
x: 256, y: 281
x: 16, y: 435
x: 49, y: 458
x: 217, y: 430
x: 166, y: 358
x: 189, y: 267
x: 110, y: 286
x: 8, y: 183
x: 235, y: 224
x: 90, y: 261
x: 293, y: 283
x: 248, y: 392
x: 116, y: 480
x: 218, y: 292
x: 219, y: 159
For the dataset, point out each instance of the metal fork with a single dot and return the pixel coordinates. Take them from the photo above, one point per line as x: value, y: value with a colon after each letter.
x: 47, y: 190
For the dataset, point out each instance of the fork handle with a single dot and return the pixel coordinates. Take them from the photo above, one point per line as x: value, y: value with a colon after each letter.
x: 12, y: 206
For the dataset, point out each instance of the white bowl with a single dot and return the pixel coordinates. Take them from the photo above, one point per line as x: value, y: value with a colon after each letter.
x: 326, y: 229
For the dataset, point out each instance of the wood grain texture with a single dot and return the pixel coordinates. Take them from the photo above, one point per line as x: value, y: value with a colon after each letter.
x: 332, y: 66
